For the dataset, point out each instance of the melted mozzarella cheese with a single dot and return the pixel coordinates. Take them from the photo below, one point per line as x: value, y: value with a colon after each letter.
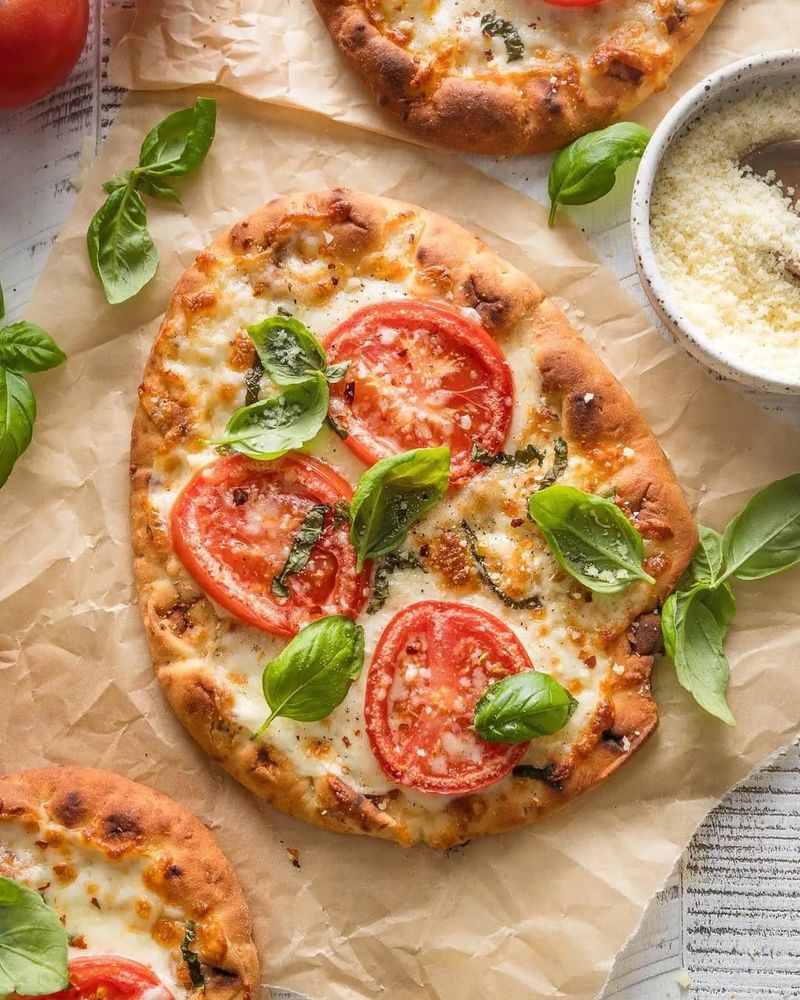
x: 105, y: 904
x: 450, y: 31
x: 562, y: 638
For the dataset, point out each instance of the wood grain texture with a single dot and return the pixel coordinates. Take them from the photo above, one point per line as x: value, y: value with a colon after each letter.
x: 731, y: 912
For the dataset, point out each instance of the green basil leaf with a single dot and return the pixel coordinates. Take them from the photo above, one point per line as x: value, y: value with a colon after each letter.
x: 393, y: 495
x: 252, y: 382
x: 522, y: 456
x: 119, y: 181
x: 764, y: 538
x: 590, y: 538
x: 308, y: 534
x: 180, y: 143
x: 694, y: 624
x: 271, y: 427
x: 289, y: 352
x: 389, y: 564
x: 485, y: 575
x: 313, y: 674
x: 492, y: 25
x: 335, y: 373
x: 121, y: 249
x: 522, y: 707
x: 25, y: 347
x: 587, y: 169
x: 192, y: 959
x: 33, y: 943
x: 559, y: 466
x: 17, y: 416
x: 157, y: 188
x: 706, y: 565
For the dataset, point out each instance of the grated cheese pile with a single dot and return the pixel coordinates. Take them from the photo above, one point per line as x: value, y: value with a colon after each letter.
x: 722, y: 235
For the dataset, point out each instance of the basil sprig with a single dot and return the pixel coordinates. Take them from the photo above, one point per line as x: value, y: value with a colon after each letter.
x: 522, y: 707
x: 308, y: 534
x: 392, y: 496
x: 587, y: 169
x: 590, y: 538
x: 762, y: 540
x: 294, y: 360
x: 269, y: 428
x: 24, y: 349
x: 121, y: 249
x: 313, y: 674
x: 33, y: 943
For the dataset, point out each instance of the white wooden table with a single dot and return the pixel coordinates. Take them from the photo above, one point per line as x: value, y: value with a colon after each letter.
x: 730, y: 915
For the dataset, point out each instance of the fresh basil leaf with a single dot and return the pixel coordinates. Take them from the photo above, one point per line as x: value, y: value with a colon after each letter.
x: 492, y: 25
x: 393, y: 495
x: 485, y: 575
x: 587, y: 169
x: 157, y: 188
x: 522, y: 707
x: 252, y: 382
x: 389, y: 564
x: 121, y: 249
x: 271, y: 427
x: 706, y: 565
x: 119, y: 181
x: 179, y: 144
x: 288, y: 350
x: 192, y: 959
x: 25, y: 347
x: 308, y: 534
x: 764, y: 538
x: 313, y: 674
x: 590, y: 538
x: 17, y: 416
x: 522, y: 456
x: 559, y: 466
x: 33, y: 943
x: 694, y: 624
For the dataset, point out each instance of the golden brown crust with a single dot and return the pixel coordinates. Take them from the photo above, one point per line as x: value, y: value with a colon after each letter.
x: 595, y: 412
x: 521, y: 112
x: 185, y: 867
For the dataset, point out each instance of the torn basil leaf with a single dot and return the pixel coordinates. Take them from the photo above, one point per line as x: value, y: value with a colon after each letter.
x: 252, y: 382
x: 191, y: 957
x: 485, y: 575
x: 493, y: 26
x: 559, y: 466
x: 308, y: 534
x: 522, y: 456
x: 33, y: 943
x: 389, y: 564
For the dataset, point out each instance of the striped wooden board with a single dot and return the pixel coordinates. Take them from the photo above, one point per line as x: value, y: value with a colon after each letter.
x: 728, y: 922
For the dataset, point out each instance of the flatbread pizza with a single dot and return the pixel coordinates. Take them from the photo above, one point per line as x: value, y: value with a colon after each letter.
x: 514, y: 76
x: 400, y: 538
x: 146, y: 906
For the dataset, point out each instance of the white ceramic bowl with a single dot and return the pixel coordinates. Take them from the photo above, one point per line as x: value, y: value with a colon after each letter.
x: 722, y: 88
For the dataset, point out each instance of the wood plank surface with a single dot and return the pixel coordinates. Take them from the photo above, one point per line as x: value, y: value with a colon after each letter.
x: 727, y: 922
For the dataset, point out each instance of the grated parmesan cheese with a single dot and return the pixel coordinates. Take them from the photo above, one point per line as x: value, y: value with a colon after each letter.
x: 722, y: 235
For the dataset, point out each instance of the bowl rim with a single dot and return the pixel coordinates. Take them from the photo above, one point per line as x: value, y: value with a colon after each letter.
x: 693, y: 104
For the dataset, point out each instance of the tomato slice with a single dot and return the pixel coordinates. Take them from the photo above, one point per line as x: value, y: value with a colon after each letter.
x: 110, y: 977
x: 232, y: 527
x: 431, y: 665
x: 421, y: 376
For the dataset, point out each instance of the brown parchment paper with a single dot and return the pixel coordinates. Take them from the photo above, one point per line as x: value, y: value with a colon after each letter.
x: 279, y: 51
x: 535, y: 914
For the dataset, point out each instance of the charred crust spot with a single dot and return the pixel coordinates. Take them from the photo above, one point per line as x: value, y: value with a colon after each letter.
x: 618, y: 69
x: 548, y: 774
x: 615, y: 741
x: 492, y: 307
x: 552, y: 104
x: 173, y: 872
x: 582, y: 411
x: 70, y: 809
x: 122, y: 826
x: 645, y: 636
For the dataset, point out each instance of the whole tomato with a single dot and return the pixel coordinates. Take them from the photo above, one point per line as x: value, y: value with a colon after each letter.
x: 40, y: 42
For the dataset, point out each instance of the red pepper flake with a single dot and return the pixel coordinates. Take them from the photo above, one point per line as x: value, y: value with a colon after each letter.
x: 590, y: 660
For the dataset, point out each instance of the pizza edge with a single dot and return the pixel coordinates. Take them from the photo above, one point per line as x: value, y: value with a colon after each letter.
x: 493, y: 117
x: 180, y: 620
x: 120, y: 817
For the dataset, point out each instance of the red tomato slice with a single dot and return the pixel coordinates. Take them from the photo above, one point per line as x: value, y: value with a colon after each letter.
x: 110, y: 977
x: 232, y: 527
x: 421, y: 376
x: 430, y: 667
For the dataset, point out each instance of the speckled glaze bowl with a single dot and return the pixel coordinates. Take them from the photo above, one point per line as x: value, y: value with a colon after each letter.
x: 722, y: 88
